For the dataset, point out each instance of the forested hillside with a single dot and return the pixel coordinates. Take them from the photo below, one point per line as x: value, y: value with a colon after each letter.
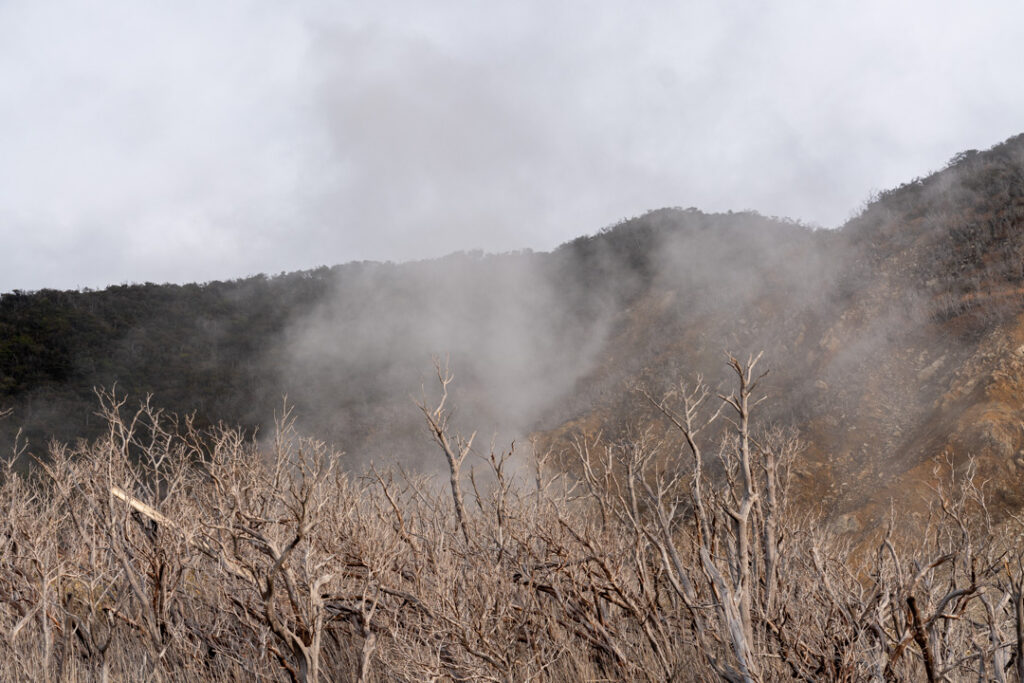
x: 891, y: 341
x: 204, y: 348
x: 347, y: 345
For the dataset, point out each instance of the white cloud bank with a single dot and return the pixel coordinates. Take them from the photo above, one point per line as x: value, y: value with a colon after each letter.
x: 195, y: 141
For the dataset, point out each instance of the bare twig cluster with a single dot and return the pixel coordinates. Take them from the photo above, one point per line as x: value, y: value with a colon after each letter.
x: 161, y: 552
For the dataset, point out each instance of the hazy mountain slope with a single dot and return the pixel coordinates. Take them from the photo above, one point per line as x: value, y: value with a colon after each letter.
x: 891, y: 341
x: 349, y: 346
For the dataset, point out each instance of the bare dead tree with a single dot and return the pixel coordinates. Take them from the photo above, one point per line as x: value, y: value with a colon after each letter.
x: 455, y: 447
x: 674, y: 552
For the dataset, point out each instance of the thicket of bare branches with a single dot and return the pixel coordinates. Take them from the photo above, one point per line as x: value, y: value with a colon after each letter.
x: 162, y: 553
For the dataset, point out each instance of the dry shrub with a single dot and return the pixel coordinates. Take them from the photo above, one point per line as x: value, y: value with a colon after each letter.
x: 160, y: 552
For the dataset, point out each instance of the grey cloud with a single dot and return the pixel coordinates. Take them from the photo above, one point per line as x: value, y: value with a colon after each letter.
x: 196, y: 141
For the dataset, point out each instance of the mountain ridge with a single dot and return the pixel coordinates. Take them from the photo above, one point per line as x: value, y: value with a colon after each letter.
x: 894, y: 341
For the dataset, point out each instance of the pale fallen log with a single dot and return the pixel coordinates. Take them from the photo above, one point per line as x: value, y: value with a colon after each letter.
x: 139, y: 506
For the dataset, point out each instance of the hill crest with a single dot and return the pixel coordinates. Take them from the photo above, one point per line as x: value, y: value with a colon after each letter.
x: 893, y: 341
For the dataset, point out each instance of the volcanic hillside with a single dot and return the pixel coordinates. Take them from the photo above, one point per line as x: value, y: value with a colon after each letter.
x: 894, y: 343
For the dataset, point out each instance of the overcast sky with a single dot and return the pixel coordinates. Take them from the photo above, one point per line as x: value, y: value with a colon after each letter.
x: 191, y: 141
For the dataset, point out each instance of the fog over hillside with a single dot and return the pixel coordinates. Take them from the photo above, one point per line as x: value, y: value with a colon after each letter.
x: 887, y: 340
x: 519, y: 330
